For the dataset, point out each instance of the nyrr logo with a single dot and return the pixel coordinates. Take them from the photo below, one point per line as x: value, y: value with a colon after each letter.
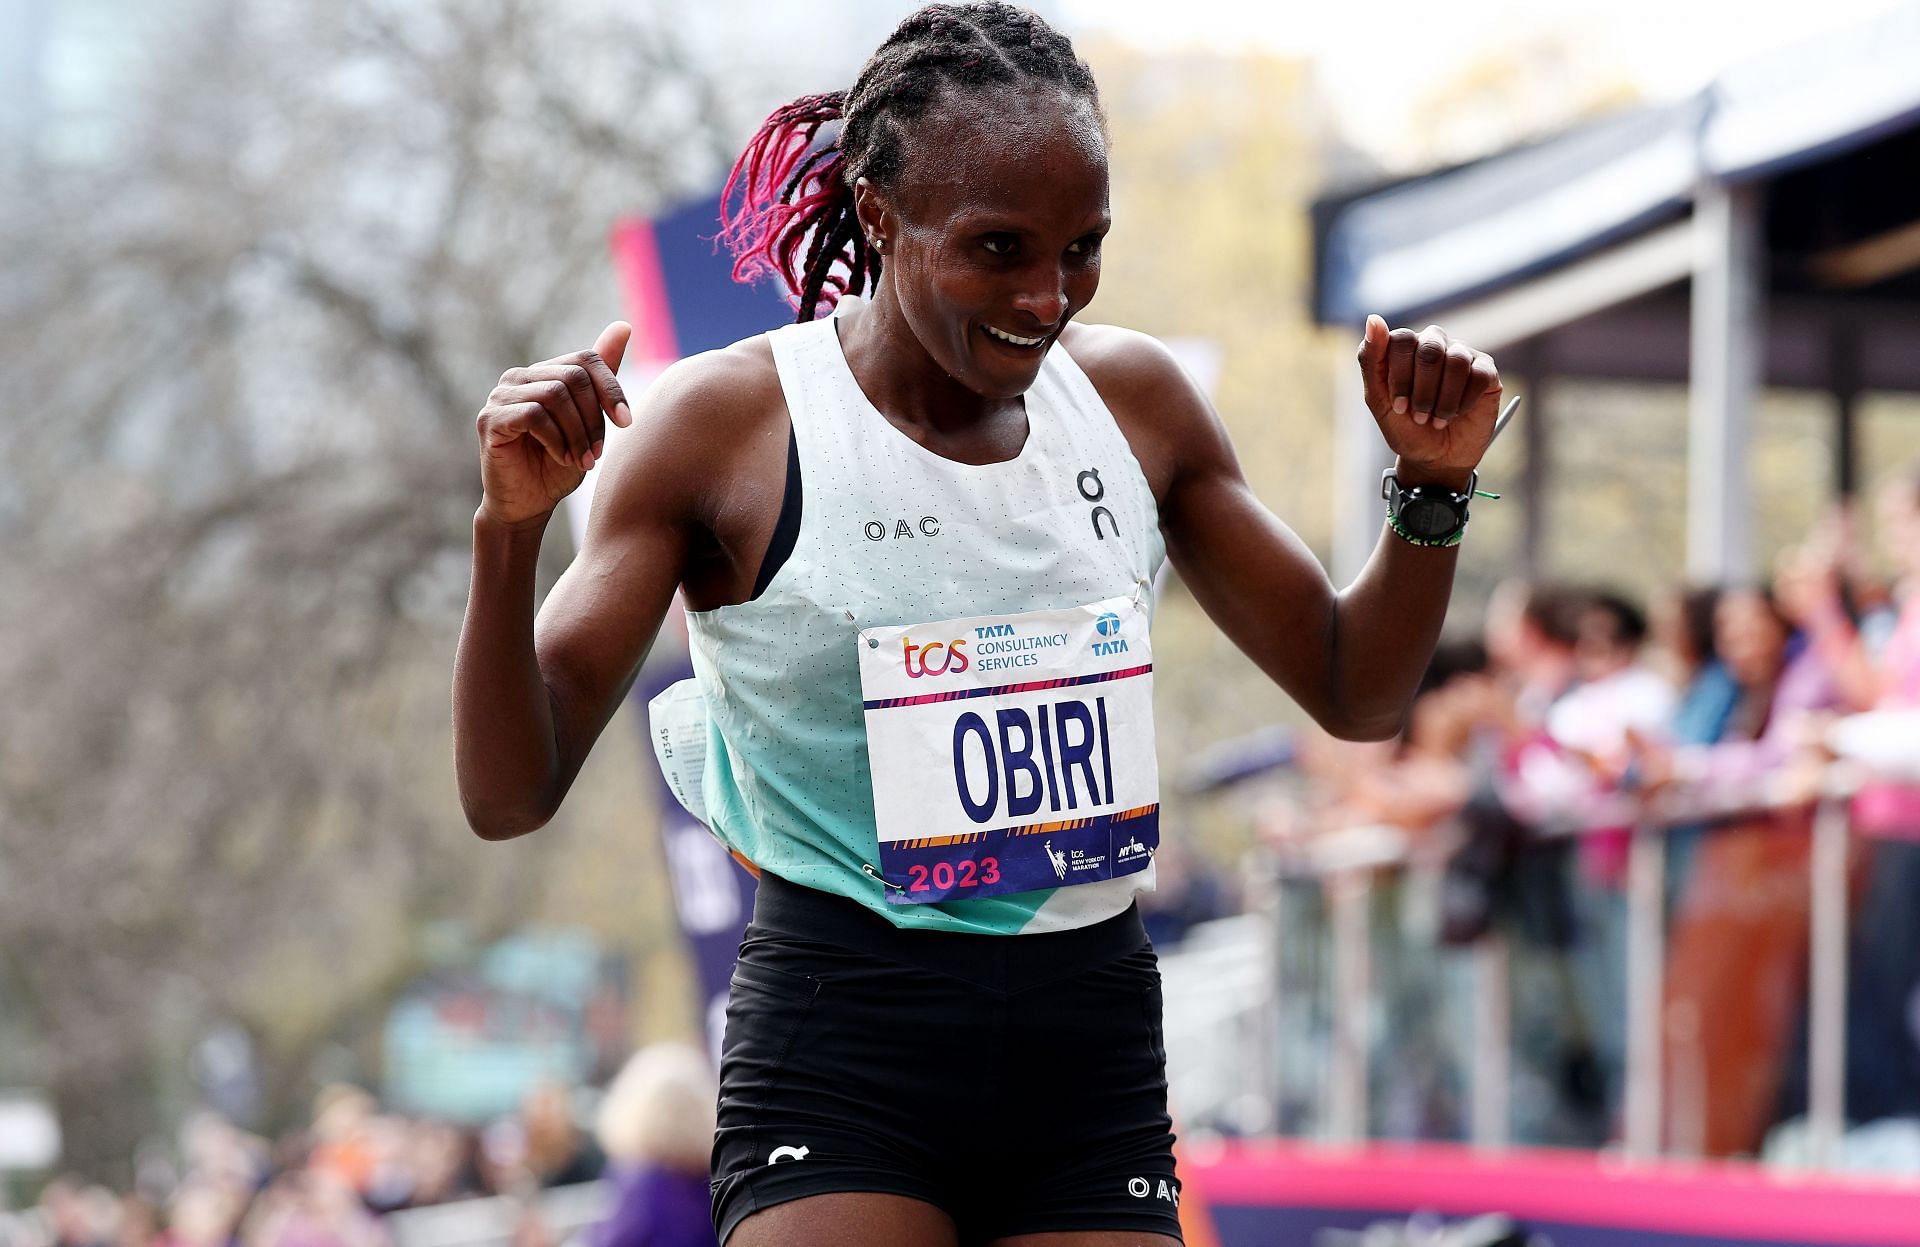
x: 1131, y: 849
x: 953, y: 657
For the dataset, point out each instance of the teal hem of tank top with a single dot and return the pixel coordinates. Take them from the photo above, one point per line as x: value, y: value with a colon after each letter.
x: 727, y: 807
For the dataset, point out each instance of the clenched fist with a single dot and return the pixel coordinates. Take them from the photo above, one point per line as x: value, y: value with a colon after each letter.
x: 544, y: 425
x: 1434, y: 397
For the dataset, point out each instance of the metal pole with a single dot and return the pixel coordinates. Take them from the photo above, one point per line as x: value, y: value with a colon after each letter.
x: 1277, y: 945
x: 1827, y: 990
x: 1646, y: 955
x: 1492, y: 1024
x: 1530, y: 371
x: 1352, y: 896
x: 1843, y: 378
x: 1728, y: 298
x: 1265, y: 1020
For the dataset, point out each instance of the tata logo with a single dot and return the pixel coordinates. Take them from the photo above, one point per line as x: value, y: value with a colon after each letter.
x: 1108, y: 625
x: 953, y: 657
x: 993, y: 630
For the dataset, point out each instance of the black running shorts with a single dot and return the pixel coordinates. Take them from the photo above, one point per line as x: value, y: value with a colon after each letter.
x: 1016, y: 1082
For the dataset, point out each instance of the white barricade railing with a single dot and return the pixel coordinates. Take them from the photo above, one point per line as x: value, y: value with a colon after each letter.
x: 565, y: 1211
x: 1345, y: 863
x: 1218, y: 986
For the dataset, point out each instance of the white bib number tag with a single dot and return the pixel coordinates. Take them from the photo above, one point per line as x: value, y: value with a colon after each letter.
x: 1011, y: 752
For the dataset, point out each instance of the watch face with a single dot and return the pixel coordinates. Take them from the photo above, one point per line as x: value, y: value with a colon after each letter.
x: 1424, y: 515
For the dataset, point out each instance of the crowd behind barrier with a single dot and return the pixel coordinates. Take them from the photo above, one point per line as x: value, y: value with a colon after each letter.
x: 360, y: 1175
x: 1678, y: 850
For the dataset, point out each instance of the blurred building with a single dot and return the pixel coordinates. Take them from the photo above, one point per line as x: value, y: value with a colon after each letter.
x: 1763, y: 232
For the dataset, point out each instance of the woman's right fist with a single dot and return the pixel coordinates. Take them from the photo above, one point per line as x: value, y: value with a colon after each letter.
x: 544, y: 425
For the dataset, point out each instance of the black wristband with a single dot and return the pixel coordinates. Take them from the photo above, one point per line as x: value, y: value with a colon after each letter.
x: 1439, y: 515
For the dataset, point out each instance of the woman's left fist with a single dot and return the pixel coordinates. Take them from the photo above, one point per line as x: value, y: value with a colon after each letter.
x: 1435, y: 399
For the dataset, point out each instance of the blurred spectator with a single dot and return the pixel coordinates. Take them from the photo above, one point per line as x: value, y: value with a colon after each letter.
x: 1735, y: 982
x: 1187, y: 891
x: 215, y: 1150
x: 558, y: 1152
x: 204, y: 1212
x: 438, y: 1159
x: 1683, y: 642
x: 390, y: 1178
x: 1616, y: 705
x: 342, y: 1143
x: 1531, y: 635
x: 1884, y: 1005
x: 313, y: 1207
x: 72, y: 1217
x: 656, y: 1124
x: 137, y: 1224
x: 1428, y: 776
x: 1617, y: 697
x: 1877, y: 665
x: 1682, y: 635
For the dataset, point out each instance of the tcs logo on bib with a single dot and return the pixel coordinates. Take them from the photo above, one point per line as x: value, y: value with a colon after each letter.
x: 953, y: 657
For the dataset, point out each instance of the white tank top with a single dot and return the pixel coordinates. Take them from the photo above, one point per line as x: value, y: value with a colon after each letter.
x: 893, y: 534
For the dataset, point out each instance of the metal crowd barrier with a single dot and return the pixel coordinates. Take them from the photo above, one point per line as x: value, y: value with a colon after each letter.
x: 1346, y: 863
x: 565, y: 1212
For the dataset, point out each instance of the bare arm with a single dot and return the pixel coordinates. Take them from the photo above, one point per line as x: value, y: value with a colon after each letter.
x: 1350, y: 658
x: 530, y: 698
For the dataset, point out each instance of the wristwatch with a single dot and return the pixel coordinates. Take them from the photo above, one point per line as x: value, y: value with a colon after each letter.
x: 1427, y: 515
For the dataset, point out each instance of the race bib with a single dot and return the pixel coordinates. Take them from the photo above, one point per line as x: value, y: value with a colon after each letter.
x: 1011, y: 752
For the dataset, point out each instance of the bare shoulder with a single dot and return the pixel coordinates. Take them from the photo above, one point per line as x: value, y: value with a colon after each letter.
x: 1162, y: 412
x: 718, y: 396
x: 704, y: 421
x: 1112, y: 354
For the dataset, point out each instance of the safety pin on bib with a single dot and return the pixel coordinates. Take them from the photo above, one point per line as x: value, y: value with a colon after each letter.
x: 875, y: 875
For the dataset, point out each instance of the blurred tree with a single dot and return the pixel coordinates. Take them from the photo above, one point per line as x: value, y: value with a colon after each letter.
x: 241, y: 357
x: 1527, y: 83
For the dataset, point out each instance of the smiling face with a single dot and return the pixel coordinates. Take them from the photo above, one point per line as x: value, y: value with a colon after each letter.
x: 992, y: 235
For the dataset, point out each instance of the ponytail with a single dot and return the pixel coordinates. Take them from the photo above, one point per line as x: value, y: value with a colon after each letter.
x: 785, y: 194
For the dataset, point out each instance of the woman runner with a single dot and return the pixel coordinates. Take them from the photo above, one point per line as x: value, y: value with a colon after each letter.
x: 917, y: 540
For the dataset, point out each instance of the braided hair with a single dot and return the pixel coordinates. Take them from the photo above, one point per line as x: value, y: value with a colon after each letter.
x: 788, y: 207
